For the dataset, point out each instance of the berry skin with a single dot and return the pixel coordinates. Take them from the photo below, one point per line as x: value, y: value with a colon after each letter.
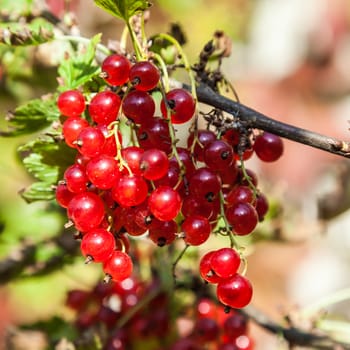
x: 138, y: 106
x: 76, y: 179
x: 182, y: 106
x: 262, y: 206
x: 103, y: 171
x: 130, y: 190
x: 115, y: 69
x: 205, y: 269
x: 196, y: 229
x: 144, y: 75
x: 90, y: 141
x: 132, y: 155
x: 235, y: 291
x: 71, y: 103
x: 86, y: 210
x: 104, y: 107
x: 71, y: 129
x: 154, y: 164
x: 63, y: 195
x: 119, y: 266
x: 225, y: 262
x: 268, y: 147
x: 98, y: 244
x: 164, y: 203
x: 202, y: 137
x: 243, y: 217
x: 205, y: 184
x: 218, y: 155
x: 163, y: 233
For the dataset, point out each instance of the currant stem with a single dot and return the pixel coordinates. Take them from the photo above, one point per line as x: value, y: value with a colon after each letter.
x: 183, y: 251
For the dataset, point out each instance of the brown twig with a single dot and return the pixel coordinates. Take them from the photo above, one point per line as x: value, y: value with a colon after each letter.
x: 257, y: 120
x: 294, y: 336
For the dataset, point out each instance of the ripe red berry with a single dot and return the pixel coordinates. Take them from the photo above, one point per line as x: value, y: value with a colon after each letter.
x: 98, y: 244
x: 268, y: 147
x: 218, y: 155
x: 235, y: 291
x: 116, y: 69
x: 103, y: 171
x: 144, y: 75
x: 138, y: 106
x: 225, y: 262
x: 163, y: 233
x: 71, y: 129
x: 86, y: 210
x: 76, y: 179
x: 154, y: 164
x: 262, y: 206
x: 119, y: 266
x: 181, y: 104
x: 132, y: 156
x: 205, y: 269
x: 243, y: 217
x: 196, y: 229
x: 104, y: 107
x: 90, y: 141
x: 63, y: 195
x: 71, y: 103
x: 201, y: 138
x: 130, y: 190
x: 164, y: 203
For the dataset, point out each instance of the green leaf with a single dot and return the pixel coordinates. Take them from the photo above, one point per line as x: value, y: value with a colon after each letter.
x: 123, y: 9
x: 79, y: 69
x: 36, y: 32
x: 45, y: 159
x: 17, y: 7
x: 31, y: 117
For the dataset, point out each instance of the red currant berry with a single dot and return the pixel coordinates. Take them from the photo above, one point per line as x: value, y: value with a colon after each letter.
x: 63, y: 195
x: 76, y: 179
x: 71, y: 103
x: 268, y: 147
x: 235, y: 291
x: 196, y: 229
x: 205, y: 269
x: 115, y: 69
x: 138, y: 106
x: 132, y: 156
x: 201, y: 138
x: 103, y: 171
x: 240, y: 194
x: 130, y: 190
x: 90, y: 141
x: 163, y: 233
x: 71, y: 129
x: 181, y: 104
x: 235, y: 325
x: 119, y: 266
x: 262, y: 206
x: 77, y: 299
x: 164, y: 203
x: 97, y: 244
x: 205, y: 184
x: 218, y: 155
x: 104, y: 107
x: 206, y: 330
x: 154, y: 164
x: 144, y: 75
x: 243, y: 217
x: 86, y: 210
x: 225, y: 262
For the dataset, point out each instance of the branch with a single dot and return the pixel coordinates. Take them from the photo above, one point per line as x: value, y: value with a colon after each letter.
x: 294, y: 336
x: 260, y: 121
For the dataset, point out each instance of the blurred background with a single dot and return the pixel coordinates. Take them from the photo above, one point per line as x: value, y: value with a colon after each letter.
x: 291, y: 61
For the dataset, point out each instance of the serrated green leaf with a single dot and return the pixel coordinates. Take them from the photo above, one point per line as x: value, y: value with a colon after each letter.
x: 123, y: 9
x: 78, y: 69
x: 36, y: 32
x: 46, y: 160
x: 31, y: 117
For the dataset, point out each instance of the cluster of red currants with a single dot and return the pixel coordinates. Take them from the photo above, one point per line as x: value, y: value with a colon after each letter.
x: 107, y: 304
x: 144, y: 182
